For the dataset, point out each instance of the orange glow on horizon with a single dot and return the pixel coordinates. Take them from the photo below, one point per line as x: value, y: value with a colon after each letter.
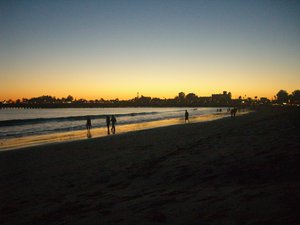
x: 107, y: 50
x: 158, y: 82
x: 128, y: 96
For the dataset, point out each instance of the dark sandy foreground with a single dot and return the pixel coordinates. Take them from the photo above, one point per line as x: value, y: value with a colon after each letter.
x: 243, y: 170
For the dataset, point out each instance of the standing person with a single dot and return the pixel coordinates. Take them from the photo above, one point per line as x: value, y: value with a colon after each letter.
x: 113, y: 122
x: 88, y: 123
x: 233, y: 112
x: 108, y: 124
x: 186, y: 115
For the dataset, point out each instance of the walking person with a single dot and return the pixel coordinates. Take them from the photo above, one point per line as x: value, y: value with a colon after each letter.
x: 108, y: 124
x: 233, y: 112
x: 88, y: 127
x: 186, y: 115
x: 88, y: 123
x: 113, y: 122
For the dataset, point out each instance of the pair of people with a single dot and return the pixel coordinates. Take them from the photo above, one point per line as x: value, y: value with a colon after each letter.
x: 113, y: 121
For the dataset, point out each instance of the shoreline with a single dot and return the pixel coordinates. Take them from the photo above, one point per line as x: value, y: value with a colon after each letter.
x: 241, y: 170
x: 45, y: 139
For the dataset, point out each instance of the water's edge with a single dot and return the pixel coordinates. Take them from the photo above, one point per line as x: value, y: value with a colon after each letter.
x: 28, y: 141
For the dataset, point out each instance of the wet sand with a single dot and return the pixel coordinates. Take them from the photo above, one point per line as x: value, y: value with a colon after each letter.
x: 34, y: 140
x: 242, y: 170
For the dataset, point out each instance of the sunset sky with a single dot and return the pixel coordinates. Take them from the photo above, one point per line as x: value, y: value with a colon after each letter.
x: 114, y: 49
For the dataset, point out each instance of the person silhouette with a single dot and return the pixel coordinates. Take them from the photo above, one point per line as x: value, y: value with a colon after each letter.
x: 186, y: 115
x: 233, y: 112
x: 107, y: 123
x: 88, y: 123
x: 113, y: 122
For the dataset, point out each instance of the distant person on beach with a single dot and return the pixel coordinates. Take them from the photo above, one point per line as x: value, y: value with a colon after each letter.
x: 113, y: 122
x: 233, y: 112
x: 186, y: 115
x: 108, y: 124
x: 88, y: 123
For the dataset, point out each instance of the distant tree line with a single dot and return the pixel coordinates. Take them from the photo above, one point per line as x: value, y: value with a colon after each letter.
x: 284, y: 97
x: 181, y: 100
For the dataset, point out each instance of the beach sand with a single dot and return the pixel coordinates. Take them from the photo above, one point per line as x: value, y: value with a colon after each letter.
x: 242, y: 170
x: 41, y: 139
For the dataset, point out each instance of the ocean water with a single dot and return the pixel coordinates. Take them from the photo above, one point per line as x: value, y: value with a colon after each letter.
x: 26, y: 122
x: 25, y: 127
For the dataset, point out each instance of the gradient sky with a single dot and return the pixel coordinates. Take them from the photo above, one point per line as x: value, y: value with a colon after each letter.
x: 114, y: 49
